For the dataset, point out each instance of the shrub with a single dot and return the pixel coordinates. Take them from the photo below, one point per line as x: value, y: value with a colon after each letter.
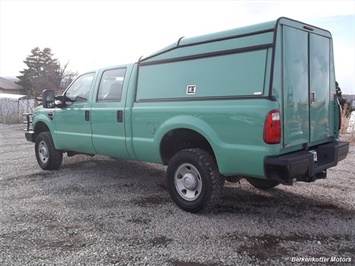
x: 348, y: 123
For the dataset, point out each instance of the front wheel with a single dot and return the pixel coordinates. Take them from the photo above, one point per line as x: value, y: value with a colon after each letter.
x: 193, y: 180
x: 47, y: 156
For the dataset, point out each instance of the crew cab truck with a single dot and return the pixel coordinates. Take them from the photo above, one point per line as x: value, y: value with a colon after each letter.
x: 257, y: 102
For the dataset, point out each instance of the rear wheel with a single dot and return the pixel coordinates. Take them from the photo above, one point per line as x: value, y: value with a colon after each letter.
x: 262, y: 183
x: 193, y: 180
x: 47, y: 156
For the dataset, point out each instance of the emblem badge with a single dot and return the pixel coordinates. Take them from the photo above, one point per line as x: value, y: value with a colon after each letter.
x: 191, y: 89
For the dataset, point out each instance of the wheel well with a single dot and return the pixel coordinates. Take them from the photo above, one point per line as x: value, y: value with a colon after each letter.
x: 180, y: 139
x: 40, y: 127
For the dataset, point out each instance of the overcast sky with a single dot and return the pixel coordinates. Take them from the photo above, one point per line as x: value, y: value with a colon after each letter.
x: 92, y: 34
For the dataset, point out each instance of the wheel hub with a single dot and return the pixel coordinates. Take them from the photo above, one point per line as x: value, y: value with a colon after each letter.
x: 190, y: 181
x: 43, y: 152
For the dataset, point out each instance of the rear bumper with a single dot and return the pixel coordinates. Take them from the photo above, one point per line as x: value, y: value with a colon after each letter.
x: 300, y: 166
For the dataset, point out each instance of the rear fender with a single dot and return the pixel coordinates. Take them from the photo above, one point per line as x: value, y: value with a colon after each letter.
x: 188, y: 122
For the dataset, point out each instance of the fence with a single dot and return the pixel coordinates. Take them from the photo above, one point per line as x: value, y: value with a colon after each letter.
x: 12, y: 106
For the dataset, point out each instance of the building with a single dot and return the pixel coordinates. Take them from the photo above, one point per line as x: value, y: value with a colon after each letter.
x: 10, y: 87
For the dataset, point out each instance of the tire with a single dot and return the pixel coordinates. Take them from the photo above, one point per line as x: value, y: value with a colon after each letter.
x: 193, y: 180
x: 47, y: 156
x: 262, y: 183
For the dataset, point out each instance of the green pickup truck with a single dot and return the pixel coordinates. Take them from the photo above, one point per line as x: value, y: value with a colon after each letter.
x: 257, y: 102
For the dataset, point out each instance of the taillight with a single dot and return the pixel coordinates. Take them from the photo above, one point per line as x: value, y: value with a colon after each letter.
x: 272, y: 128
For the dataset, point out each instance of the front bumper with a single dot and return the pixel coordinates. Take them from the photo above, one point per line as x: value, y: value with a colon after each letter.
x: 30, y: 136
x: 301, y: 166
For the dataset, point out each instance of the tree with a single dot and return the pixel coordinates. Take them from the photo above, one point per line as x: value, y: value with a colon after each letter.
x: 43, y: 72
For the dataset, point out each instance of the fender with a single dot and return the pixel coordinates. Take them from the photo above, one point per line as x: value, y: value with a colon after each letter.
x: 152, y: 143
x: 188, y: 122
x: 226, y: 154
x: 43, y: 120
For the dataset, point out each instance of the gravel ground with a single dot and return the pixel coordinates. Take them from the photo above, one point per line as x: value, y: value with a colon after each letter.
x: 103, y: 211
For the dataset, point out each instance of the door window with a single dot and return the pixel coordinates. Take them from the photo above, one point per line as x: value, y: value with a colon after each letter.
x: 79, y: 91
x: 111, y: 84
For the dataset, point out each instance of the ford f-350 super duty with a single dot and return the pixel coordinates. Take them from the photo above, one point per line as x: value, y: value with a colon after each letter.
x: 257, y: 102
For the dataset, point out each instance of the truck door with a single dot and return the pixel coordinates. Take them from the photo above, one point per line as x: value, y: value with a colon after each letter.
x: 306, y: 86
x: 319, y: 65
x: 73, y: 129
x: 107, y: 115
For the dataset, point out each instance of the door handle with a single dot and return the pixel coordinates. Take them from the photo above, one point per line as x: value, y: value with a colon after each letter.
x: 87, y: 115
x: 119, y: 116
x: 313, y: 97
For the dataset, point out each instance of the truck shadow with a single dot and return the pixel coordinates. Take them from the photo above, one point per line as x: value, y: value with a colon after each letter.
x: 147, y: 181
x: 279, y: 203
x: 110, y: 166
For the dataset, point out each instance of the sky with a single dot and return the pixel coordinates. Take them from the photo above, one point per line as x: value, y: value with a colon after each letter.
x: 93, y: 34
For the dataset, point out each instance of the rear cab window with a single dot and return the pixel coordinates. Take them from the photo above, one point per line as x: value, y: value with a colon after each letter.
x: 111, y: 84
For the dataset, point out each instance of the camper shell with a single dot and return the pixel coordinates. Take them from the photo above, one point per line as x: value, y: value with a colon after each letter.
x: 282, y: 65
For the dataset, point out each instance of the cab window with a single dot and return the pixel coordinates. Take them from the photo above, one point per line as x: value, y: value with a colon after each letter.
x: 79, y: 91
x: 111, y: 84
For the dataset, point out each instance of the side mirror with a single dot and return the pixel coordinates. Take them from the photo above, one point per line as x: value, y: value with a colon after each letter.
x: 48, y: 99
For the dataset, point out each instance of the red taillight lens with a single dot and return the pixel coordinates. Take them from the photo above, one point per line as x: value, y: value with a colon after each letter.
x: 272, y: 129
